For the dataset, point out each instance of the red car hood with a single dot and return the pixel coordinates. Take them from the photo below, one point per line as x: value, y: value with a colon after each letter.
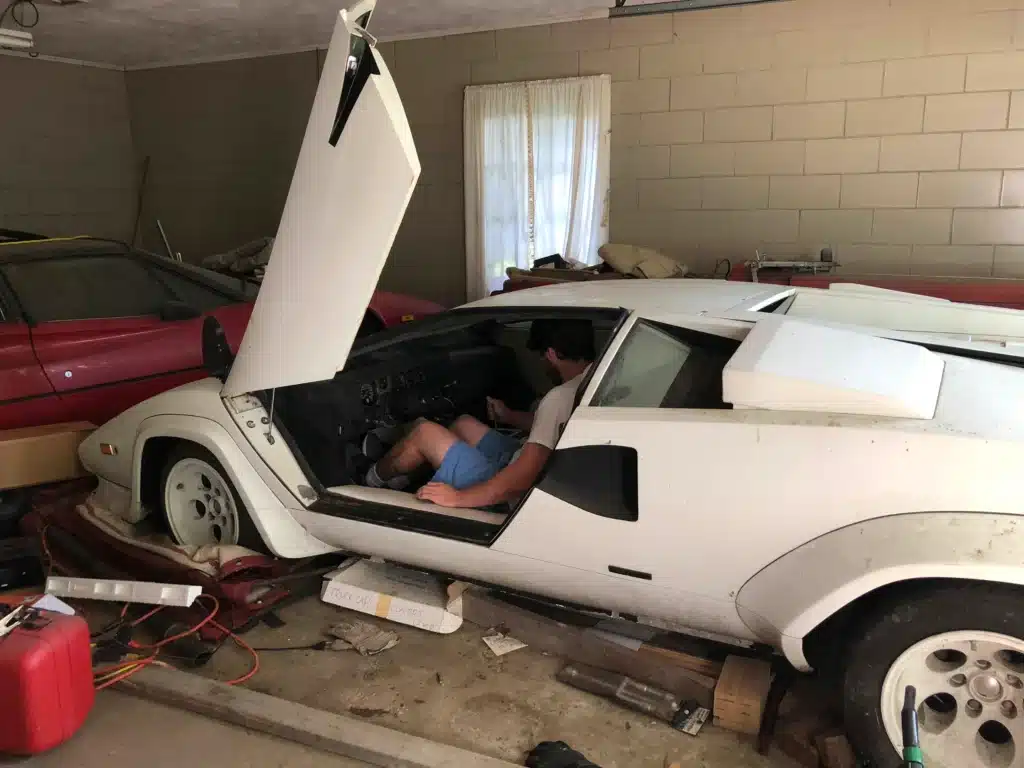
x: 390, y: 308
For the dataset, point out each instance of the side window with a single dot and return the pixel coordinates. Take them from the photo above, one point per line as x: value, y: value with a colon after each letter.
x: 655, y: 368
x: 200, y: 297
x: 87, y: 288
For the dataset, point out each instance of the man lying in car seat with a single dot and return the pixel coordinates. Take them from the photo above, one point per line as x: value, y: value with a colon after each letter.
x: 477, y: 466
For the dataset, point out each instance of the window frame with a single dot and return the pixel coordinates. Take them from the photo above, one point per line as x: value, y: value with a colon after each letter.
x: 704, y: 342
x: 149, y: 262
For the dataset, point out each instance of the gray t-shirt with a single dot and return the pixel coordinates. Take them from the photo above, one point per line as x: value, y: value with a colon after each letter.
x: 553, y: 412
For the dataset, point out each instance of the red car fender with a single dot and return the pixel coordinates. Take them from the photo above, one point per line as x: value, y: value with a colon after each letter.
x: 393, y: 308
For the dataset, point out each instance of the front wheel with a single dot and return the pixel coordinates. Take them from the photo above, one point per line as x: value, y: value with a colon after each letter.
x: 962, y: 647
x: 200, y: 504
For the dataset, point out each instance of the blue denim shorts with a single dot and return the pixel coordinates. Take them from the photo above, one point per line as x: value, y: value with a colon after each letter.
x: 465, y: 465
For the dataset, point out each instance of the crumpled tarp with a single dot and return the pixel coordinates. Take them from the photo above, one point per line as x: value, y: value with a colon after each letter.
x: 248, y: 259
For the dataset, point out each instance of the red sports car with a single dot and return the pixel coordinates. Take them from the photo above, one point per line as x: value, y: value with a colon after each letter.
x: 90, y: 327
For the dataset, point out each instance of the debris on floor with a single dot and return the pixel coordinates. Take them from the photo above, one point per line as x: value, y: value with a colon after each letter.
x: 669, y: 677
x: 365, y: 638
x: 500, y: 643
x: 397, y: 594
x: 573, y: 643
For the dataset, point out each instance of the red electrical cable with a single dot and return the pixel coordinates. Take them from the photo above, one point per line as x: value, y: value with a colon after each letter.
x: 241, y: 644
x: 131, y: 667
x: 209, y: 618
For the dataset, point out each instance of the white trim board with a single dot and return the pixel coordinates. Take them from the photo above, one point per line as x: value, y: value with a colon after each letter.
x: 59, y: 60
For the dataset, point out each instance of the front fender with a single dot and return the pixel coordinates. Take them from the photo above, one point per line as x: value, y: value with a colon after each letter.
x: 786, y: 600
x: 281, y: 532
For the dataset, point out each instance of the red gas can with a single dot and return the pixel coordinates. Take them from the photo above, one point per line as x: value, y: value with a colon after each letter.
x: 46, y: 686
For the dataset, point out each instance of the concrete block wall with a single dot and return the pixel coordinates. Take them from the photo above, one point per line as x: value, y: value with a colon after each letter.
x: 66, y: 163
x: 892, y: 130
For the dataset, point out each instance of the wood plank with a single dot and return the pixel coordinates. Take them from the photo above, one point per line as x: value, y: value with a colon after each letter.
x: 574, y: 644
x: 693, y: 663
x: 316, y: 728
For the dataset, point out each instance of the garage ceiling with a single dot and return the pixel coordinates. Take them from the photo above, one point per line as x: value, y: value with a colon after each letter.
x: 140, y: 33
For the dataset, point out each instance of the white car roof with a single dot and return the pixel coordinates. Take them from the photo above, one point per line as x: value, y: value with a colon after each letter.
x: 649, y: 297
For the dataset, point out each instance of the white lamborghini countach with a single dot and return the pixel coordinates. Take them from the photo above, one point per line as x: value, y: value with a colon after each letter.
x: 834, y: 473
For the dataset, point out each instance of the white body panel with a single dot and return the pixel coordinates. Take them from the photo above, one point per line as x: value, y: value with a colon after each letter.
x: 784, y: 605
x: 786, y: 364
x: 343, y: 211
x: 879, y: 308
x: 196, y: 413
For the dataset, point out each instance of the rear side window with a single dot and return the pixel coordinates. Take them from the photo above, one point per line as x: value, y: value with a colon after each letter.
x: 88, y: 288
x: 655, y: 368
x: 200, y: 297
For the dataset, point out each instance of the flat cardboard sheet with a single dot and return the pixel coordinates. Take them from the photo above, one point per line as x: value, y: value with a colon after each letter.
x: 396, y: 594
x: 37, y: 455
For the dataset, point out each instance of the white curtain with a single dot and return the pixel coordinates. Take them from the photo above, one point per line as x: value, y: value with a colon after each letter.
x: 537, y: 175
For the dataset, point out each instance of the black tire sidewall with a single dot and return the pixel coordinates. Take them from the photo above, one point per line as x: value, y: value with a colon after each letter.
x: 897, y: 626
x: 248, y: 536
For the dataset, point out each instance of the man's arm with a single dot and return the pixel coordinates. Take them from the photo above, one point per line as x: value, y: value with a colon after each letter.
x: 518, y: 477
x: 521, y: 420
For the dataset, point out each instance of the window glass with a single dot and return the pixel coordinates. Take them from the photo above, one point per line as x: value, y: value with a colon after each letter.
x: 201, y: 298
x: 642, y: 373
x: 86, y: 288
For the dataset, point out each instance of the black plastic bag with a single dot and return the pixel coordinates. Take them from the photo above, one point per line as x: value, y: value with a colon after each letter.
x: 557, y: 754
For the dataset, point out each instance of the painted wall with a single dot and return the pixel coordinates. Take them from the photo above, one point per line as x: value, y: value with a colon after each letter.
x: 66, y: 164
x: 222, y: 139
x: 892, y: 130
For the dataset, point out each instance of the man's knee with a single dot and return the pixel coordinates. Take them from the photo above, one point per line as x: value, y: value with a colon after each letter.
x: 469, y: 429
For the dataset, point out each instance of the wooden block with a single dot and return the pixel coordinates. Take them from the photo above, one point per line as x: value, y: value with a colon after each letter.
x: 326, y: 731
x: 835, y: 750
x: 741, y: 692
x: 573, y: 643
x: 694, y: 663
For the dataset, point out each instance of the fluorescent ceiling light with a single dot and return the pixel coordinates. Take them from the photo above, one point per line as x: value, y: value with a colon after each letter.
x: 14, y: 38
x: 644, y: 7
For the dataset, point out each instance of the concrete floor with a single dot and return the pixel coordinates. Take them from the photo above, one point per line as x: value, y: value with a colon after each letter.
x: 124, y: 732
x: 454, y: 690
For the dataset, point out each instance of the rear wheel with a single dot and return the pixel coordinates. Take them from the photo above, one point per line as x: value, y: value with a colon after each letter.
x: 962, y: 648
x: 200, y: 504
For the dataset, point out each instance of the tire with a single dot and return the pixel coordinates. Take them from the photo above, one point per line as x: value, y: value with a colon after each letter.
x: 932, y: 637
x: 215, y: 522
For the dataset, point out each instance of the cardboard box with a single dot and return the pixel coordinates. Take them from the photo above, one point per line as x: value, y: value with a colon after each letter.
x: 37, y: 455
x: 740, y: 694
x: 396, y: 594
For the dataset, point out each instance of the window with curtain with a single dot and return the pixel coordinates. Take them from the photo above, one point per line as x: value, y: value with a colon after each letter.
x: 537, y: 175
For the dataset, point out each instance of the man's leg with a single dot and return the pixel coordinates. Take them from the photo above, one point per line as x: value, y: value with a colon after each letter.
x: 469, y: 430
x: 426, y: 443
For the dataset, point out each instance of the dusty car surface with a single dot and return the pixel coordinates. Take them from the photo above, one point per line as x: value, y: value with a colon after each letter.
x: 833, y: 473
